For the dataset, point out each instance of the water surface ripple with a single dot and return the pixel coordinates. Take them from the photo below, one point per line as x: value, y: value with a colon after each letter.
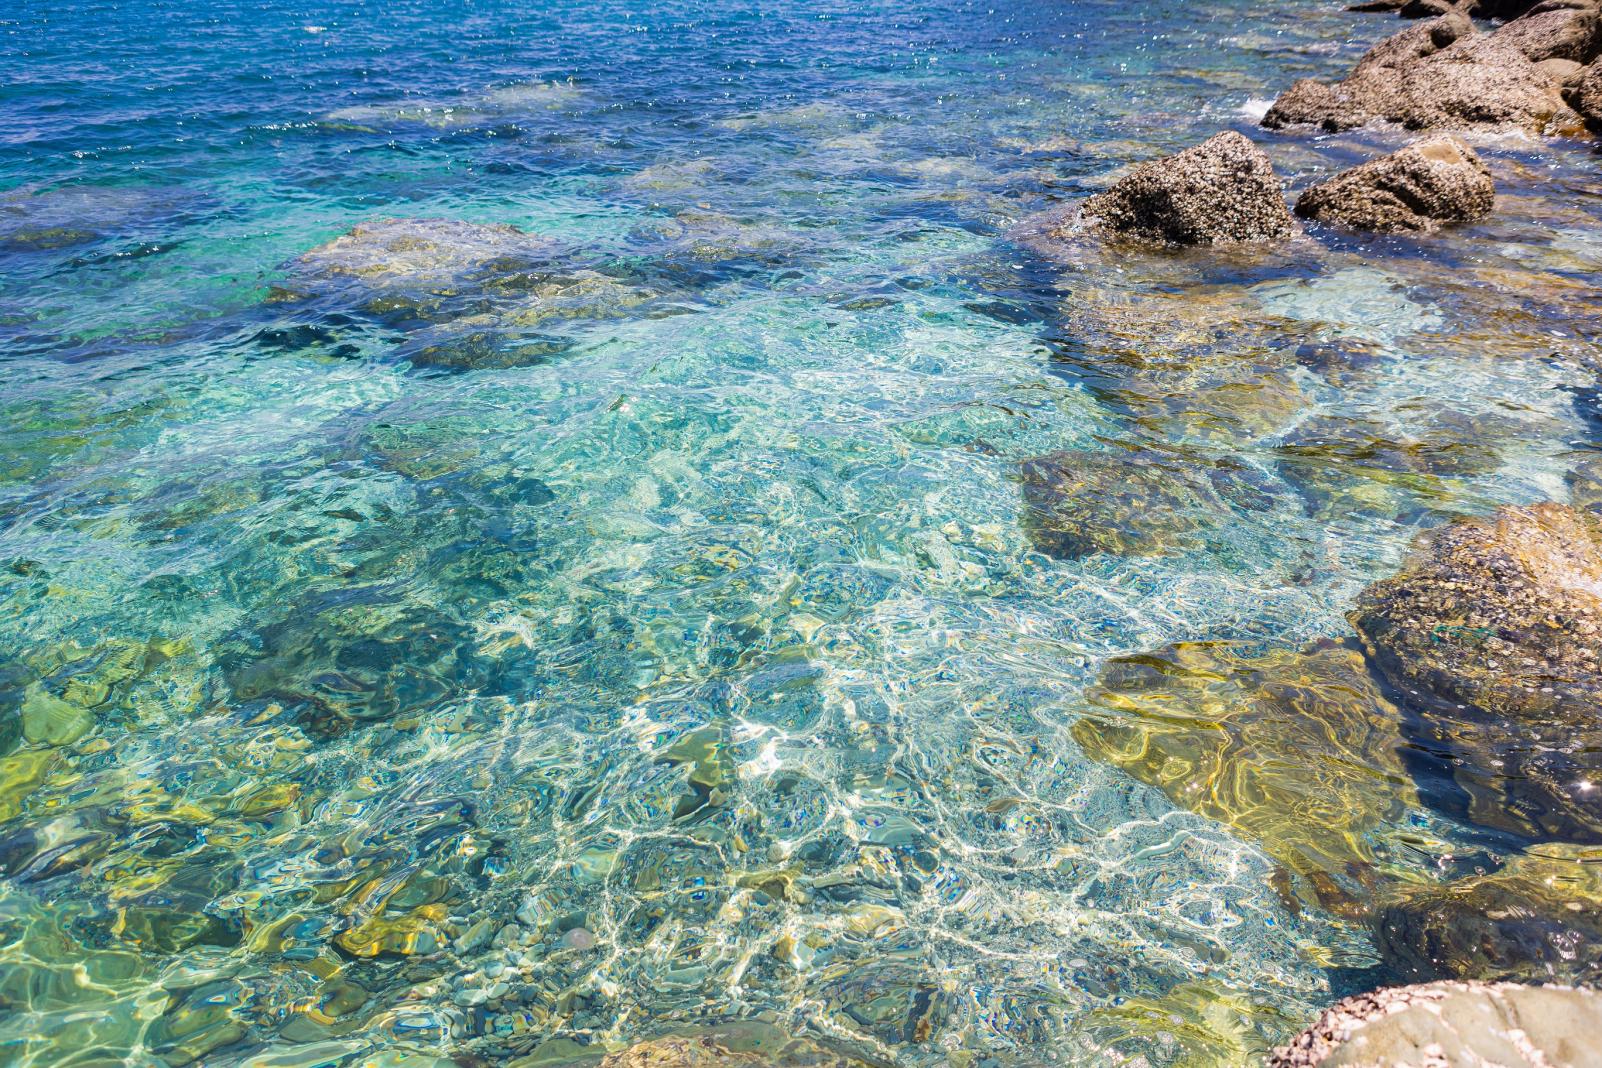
x: 656, y: 639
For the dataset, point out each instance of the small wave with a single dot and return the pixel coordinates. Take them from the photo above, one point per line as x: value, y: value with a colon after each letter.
x: 1256, y: 107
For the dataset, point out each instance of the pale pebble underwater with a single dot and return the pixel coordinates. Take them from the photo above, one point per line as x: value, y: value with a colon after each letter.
x: 525, y: 528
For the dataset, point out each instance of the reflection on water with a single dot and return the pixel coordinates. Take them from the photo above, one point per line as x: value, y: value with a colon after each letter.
x: 684, y: 595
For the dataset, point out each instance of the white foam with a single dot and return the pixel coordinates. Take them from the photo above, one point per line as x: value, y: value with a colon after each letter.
x: 1256, y: 107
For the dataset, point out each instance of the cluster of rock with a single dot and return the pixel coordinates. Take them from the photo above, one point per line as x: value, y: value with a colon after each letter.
x: 1445, y: 74
x: 1485, y: 650
x: 1224, y: 191
x: 1482, y: 657
x: 1538, y: 71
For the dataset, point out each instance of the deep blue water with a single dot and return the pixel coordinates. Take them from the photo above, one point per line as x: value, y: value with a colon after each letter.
x: 684, y: 660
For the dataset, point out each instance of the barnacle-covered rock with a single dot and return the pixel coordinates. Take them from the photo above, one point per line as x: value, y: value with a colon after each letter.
x: 1435, y: 76
x: 1556, y: 29
x: 1222, y: 190
x: 1585, y: 95
x: 1493, y: 633
x: 1416, y: 188
x: 1298, y: 751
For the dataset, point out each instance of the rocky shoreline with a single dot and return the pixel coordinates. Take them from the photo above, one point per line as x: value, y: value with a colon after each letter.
x: 1486, y: 645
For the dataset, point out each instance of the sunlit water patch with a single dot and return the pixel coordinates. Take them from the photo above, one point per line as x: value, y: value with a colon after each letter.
x: 645, y: 618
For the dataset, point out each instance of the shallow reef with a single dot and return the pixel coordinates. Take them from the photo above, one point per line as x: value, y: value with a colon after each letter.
x: 580, y: 534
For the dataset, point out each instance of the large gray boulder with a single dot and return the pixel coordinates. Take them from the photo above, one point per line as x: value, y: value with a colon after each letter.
x: 1433, y: 76
x: 1440, y: 1025
x: 1415, y: 189
x: 1222, y: 190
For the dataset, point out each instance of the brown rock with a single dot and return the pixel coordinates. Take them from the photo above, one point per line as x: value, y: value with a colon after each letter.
x: 1425, y: 9
x: 1417, y: 42
x: 1565, y: 72
x: 1554, y: 31
x: 1414, y: 80
x: 1222, y: 190
x: 1585, y: 95
x: 1418, y: 188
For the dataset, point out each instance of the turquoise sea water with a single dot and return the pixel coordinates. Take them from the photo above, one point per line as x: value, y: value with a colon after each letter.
x: 686, y: 661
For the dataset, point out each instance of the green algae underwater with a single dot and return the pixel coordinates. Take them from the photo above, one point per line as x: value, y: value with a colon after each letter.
x: 525, y: 528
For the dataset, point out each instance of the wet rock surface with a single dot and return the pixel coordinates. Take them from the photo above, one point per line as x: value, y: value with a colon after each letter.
x: 1493, y: 633
x: 1220, y: 191
x: 1435, y: 76
x: 1417, y: 188
x: 1453, y: 1023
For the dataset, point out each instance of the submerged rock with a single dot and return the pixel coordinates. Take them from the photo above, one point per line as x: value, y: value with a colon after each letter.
x: 1137, y: 504
x: 1417, y: 188
x: 1494, y: 634
x: 418, y: 265
x: 1437, y: 75
x: 1298, y: 751
x: 735, y: 1046
x: 53, y: 219
x: 1222, y: 190
x: 1360, y: 466
x: 466, y: 295
x: 352, y: 656
x: 1526, y: 922
x: 1453, y: 1023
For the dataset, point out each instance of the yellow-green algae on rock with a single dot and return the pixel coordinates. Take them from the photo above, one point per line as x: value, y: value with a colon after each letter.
x: 1298, y: 751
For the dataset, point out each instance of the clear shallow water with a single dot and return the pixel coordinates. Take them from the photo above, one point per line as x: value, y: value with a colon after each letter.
x: 701, y: 670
